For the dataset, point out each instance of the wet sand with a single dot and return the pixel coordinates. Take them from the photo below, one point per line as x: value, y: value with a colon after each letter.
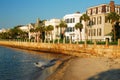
x: 88, y: 69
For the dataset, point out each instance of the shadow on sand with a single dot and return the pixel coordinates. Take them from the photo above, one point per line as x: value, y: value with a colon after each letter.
x: 113, y: 74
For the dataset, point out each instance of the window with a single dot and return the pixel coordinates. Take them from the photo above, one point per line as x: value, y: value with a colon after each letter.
x: 97, y: 20
x: 105, y: 19
x: 94, y: 11
x: 107, y: 9
x: 100, y: 20
x: 117, y: 10
x: 94, y: 20
x: 100, y: 32
x: 97, y: 32
x: 89, y: 12
x: 73, y: 20
x: 94, y: 32
x: 99, y: 10
x: 103, y: 8
x: 70, y: 29
x: 67, y: 20
x: 73, y: 29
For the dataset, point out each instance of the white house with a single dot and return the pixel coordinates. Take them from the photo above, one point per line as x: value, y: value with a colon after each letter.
x: 71, y: 32
x: 4, y: 30
x: 56, y: 31
x: 24, y: 28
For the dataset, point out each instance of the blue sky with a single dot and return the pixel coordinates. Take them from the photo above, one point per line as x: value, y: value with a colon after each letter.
x: 16, y: 12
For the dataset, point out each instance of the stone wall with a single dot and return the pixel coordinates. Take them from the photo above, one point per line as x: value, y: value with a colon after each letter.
x: 80, y: 50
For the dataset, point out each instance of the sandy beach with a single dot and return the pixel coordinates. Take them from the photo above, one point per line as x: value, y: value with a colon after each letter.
x: 88, y: 69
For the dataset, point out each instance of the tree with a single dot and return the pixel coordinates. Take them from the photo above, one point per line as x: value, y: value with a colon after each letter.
x: 39, y: 30
x: 62, y: 26
x: 5, y: 35
x: 17, y: 33
x: 113, y: 18
x: 80, y: 27
x: 49, y: 30
x: 117, y: 29
x: 86, y: 18
x: 57, y: 26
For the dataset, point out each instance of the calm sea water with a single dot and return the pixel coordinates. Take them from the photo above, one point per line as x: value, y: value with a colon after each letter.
x: 17, y: 64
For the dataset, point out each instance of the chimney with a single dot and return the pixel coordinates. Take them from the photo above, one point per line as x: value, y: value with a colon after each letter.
x: 112, y: 6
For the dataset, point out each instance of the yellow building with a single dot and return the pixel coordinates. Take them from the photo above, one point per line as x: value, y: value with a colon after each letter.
x: 100, y: 28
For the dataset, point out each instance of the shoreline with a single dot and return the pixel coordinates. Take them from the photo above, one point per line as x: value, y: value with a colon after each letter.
x: 99, y: 68
x: 58, y: 74
x: 85, y: 66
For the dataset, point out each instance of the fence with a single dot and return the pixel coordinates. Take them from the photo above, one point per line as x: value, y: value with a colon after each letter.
x: 63, y: 41
x: 75, y: 49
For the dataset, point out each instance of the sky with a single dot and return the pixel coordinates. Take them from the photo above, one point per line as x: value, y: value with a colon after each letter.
x: 23, y: 12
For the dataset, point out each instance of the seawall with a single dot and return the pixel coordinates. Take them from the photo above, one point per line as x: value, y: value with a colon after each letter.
x: 80, y: 50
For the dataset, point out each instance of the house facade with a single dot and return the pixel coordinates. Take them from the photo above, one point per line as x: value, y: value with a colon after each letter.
x: 72, y: 33
x: 31, y: 34
x: 24, y: 28
x: 100, y: 28
x: 56, y: 32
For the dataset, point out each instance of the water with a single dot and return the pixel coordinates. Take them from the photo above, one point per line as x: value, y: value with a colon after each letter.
x: 17, y: 64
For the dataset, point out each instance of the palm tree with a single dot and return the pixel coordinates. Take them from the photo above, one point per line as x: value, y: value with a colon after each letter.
x: 80, y: 27
x: 62, y: 25
x: 57, y: 26
x: 40, y: 28
x: 113, y: 17
x: 49, y: 29
x: 86, y: 18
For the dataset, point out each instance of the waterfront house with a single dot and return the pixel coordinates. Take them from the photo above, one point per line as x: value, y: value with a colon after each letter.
x: 24, y: 28
x: 71, y: 32
x: 101, y: 28
x: 3, y: 30
x: 56, y: 31
x: 31, y: 34
x: 35, y: 30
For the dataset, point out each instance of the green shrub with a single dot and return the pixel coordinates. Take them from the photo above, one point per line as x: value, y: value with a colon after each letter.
x: 113, y: 43
x: 101, y: 43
